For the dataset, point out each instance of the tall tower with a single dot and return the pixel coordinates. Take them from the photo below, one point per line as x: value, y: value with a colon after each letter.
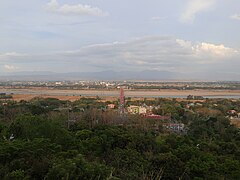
x: 122, y: 101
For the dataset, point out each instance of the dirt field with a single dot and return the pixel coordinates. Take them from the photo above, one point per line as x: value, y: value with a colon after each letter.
x: 27, y: 94
x: 28, y: 97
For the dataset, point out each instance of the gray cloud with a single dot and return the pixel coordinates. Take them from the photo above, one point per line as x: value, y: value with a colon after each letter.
x: 145, y: 53
x: 153, y: 52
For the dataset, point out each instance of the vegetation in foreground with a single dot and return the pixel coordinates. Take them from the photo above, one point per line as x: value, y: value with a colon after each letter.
x: 37, y: 143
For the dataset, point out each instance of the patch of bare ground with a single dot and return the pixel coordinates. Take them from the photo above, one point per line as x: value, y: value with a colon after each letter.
x: 236, y: 122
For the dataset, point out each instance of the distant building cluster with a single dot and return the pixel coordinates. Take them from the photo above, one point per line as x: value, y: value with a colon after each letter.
x: 130, y: 85
x: 233, y: 114
x: 137, y: 110
x: 146, y: 112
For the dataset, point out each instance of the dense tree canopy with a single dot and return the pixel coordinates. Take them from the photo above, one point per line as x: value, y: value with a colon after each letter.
x: 39, y: 144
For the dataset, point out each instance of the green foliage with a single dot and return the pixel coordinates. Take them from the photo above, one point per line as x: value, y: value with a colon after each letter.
x: 26, y: 158
x: 37, y: 144
x: 76, y: 167
x: 29, y: 127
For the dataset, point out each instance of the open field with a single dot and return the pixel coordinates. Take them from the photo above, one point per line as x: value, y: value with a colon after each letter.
x: 26, y: 94
x: 27, y: 97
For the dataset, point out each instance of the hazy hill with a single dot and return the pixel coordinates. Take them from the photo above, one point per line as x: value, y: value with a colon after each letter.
x: 103, y: 75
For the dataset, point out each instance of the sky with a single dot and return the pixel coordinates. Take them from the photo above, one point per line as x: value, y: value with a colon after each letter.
x: 199, y: 39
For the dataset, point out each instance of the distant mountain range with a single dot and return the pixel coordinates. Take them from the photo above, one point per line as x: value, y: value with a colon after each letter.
x: 103, y: 75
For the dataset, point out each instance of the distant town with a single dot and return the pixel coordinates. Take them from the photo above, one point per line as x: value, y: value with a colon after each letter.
x: 131, y: 85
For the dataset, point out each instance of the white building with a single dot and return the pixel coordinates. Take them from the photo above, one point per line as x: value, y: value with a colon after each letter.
x: 142, y: 110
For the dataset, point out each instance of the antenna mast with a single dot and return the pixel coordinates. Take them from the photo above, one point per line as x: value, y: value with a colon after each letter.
x: 122, y: 101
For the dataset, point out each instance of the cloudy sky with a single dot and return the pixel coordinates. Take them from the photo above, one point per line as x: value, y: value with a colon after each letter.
x: 198, y: 39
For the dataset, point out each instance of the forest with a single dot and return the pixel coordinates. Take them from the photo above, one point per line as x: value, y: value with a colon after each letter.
x: 53, y: 139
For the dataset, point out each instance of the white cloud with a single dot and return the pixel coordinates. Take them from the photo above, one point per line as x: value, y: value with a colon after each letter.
x: 218, y: 51
x: 185, y: 44
x: 157, y: 18
x: 235, y: 16
x: 194, y: 7
x: 77, y: 9
x: 207, y: 49
x: 10, y: 67
x: 11, y: 55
